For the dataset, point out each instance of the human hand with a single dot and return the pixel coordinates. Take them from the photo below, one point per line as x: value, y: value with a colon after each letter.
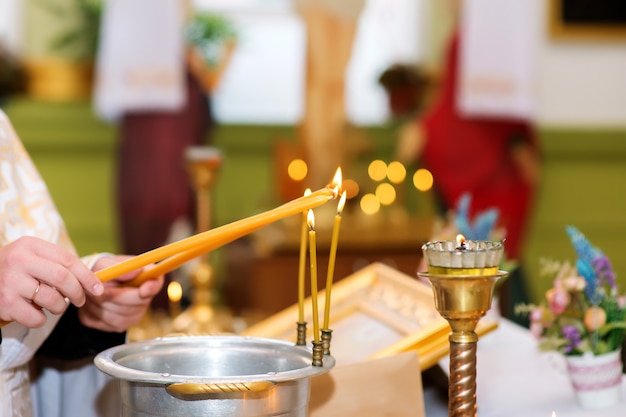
x: 36, y: 274
x: 120, y: 306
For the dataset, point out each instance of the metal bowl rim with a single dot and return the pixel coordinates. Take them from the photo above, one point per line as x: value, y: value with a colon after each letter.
x: 106, y: 362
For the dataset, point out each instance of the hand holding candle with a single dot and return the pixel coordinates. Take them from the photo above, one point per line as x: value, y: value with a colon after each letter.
x: 173, y: 255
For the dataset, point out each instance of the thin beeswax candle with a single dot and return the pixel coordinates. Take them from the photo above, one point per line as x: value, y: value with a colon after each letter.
x: 302, y: 262
x: 331, y: 260
x: 313, y: 260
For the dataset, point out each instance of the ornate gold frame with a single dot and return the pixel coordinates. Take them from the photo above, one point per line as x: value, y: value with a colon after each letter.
x: 561, y: 30
x: 375, y: 312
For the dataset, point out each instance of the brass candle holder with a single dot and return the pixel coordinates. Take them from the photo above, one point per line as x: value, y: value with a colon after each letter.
x: 203, y: 165
x: 463, y: 276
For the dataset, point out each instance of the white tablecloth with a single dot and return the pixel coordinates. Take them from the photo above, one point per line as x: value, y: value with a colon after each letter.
x: 515, y: 379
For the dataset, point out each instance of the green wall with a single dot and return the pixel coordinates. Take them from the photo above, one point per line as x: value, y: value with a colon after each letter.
x: 584, y: 179
x: 583, y: 184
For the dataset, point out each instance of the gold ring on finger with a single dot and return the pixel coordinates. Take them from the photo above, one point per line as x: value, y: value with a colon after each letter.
x: 35, y: 293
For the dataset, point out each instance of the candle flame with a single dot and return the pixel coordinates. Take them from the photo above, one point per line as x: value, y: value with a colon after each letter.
x: 554, y: 414
x: 460, y: 242
x: 307, y: 192
x: 342, y: 203
x: 310, y: 220
x: 337, y: 181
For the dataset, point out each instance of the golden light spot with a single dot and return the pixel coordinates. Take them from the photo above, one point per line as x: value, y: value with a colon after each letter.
x: 174, y: 291
x: 370, y: 204
x: 297, y: 170
x: 377, y: 170
x: 386, y: 194
x: 351, y: 187
x: 396, y: 172
x: 423, y: 179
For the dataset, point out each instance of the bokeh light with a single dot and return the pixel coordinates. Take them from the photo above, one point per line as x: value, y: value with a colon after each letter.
x: 386, y: 194
x: 423, y: 179
x: 351, y: 187
x: 377, y: 170
x: 370, y: 204
x: 396, y: 172
x: 297, y: 170
x: 174, y: 291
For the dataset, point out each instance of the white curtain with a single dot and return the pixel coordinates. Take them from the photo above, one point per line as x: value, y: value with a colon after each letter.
x: 499, y: 40
x: 11, y: 24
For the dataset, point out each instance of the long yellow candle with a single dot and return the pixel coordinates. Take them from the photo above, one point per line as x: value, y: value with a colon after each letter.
x: 331, y: 259
x: 313, y: 260
x: 213, y: 238
x: 177, y: 253
x: 302, y: 264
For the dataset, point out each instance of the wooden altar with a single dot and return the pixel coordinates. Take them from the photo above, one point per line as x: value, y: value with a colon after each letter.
x: 262, y: 271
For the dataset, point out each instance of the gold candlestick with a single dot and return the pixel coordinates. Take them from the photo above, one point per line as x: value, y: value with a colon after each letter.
x: 463, y: 276
x: 203, y: 164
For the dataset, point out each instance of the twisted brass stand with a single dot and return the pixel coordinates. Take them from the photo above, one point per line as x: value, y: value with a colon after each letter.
x: 462, y: 296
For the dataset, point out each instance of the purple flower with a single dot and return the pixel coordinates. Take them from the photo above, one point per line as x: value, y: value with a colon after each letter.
x: 571, y: 333
x: 603, y: 269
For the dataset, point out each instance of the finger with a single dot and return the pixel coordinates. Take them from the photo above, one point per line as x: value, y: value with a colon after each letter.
x: 65, y: 272
x: 122, y: 296
x: 151, y: 287
x: 31, y: 317
x: 60, y: 279
x: 111, y: 317
x: 49, y: 298
x: 27, y: 314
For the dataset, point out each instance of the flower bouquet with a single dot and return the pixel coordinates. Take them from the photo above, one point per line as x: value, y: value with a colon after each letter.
x: 583, y: 311
x: 583, y: 317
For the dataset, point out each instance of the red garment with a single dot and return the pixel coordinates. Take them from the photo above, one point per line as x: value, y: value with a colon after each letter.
x: 470, y: 154
x: 153, y: 185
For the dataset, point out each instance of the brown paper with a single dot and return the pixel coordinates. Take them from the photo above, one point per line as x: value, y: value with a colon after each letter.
x: 385, y: 387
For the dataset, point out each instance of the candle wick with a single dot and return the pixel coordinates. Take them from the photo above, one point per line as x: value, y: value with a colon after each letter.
x: 461, y: 246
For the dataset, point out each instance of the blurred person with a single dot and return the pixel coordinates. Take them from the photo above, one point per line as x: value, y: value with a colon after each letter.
x: 495, y: 159
x: 330, y: 31
x: 40, y: 274
x: 157, y: 89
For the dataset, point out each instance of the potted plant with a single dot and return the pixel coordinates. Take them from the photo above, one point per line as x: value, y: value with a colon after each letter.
x: 67, y: 73
x: 583, y: 317
x: 211, y: 40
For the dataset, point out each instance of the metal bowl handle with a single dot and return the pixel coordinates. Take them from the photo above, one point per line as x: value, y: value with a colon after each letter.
x: 187, y: 388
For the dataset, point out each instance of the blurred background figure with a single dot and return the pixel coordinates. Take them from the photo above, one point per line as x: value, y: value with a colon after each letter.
x: 407, y: 88
x: 12, y: 75
x: 156, y: 86
x: 471, y: 145
x: 330, y: 31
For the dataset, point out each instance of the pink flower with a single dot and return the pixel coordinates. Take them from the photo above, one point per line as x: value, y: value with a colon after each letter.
x: 536, y: 329
x: 536, y: 315
x: 558, y: 299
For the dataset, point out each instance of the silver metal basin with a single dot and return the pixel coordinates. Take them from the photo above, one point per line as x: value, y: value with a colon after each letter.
x: 217, y: 376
